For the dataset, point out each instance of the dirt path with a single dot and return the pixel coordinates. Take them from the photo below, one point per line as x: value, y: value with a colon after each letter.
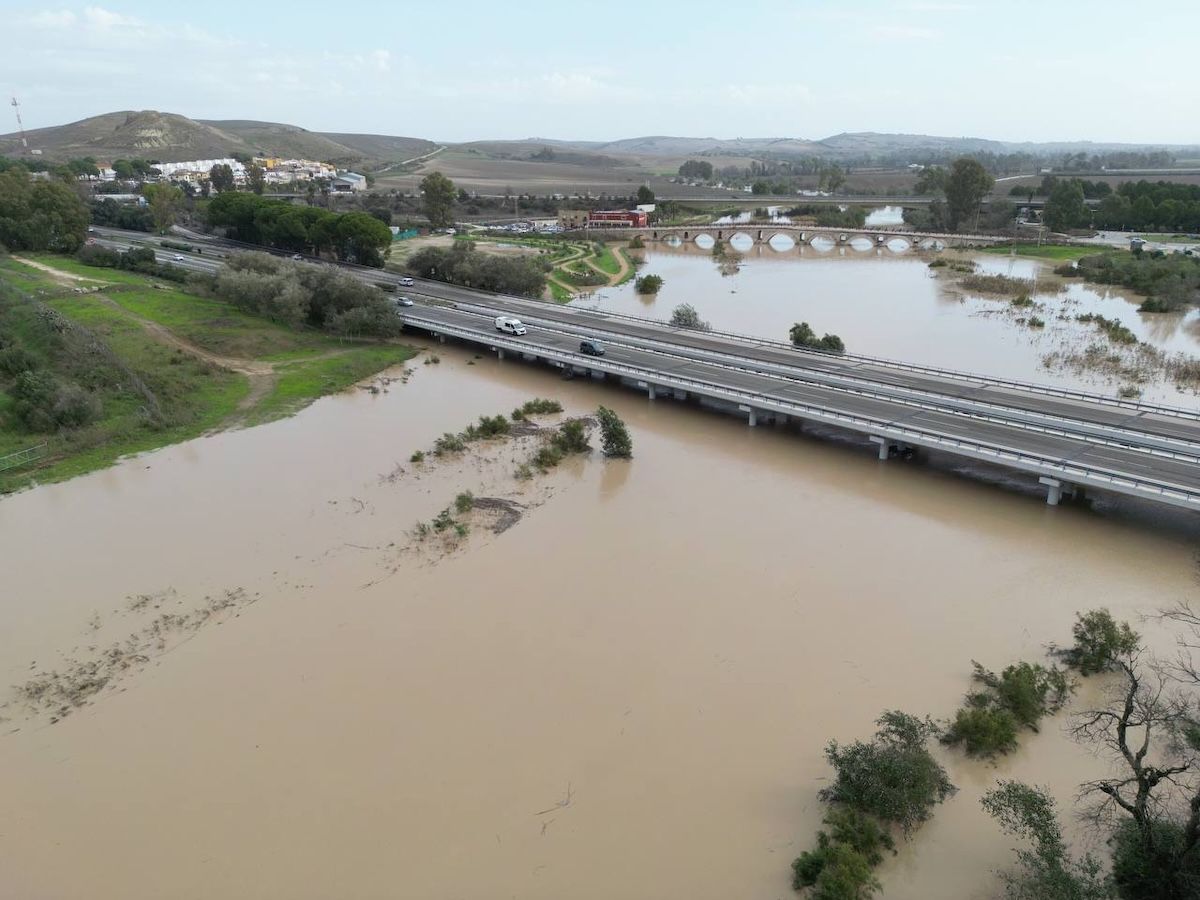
x: 621, y: 275
x: 58, y: 274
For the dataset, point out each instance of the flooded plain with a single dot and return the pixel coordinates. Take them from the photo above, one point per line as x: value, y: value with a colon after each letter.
x: 890, y: 304
x: 626, y: 694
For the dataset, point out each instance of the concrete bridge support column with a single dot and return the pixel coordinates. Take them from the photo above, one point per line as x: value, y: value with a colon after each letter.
x: 884, y: 446
x: 499, y: 353
x: 753, y: 420
x: 1056, y: 490
x: 441, y: 338
x: 650, y: 391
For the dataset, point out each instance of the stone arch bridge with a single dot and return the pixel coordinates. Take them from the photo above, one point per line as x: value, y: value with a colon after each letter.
x: 812, y: 235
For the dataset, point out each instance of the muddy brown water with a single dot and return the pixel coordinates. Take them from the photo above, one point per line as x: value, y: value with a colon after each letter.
x: 625, y: 695
x: 891, y: 304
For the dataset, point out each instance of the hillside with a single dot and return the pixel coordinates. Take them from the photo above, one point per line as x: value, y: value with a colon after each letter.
x: 147, y: 134
x: 171, y: 137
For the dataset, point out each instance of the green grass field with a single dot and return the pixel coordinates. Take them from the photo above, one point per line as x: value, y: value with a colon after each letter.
x: 1048, y: 251
x: 152, y: 393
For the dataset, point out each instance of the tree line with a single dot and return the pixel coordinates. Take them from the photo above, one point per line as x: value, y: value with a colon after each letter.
x: 464, y: 264
x: 40, y: 214
x: 355, y: 237
x: 1136, y: 206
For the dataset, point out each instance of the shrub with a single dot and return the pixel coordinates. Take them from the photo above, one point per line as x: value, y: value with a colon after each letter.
x: 893, y: 777
x: 1099, y: 641
x: 571, y: 437
x: 463, y: 502
x: 802, y: 335
x: 523, y: 473
x: 492, y: 426
x: 42, y: 405
x: 985, y: 730
x: 648, y: 284
x: 1028, y: 691
x: 1036, y: 322
x: 614, y: 436
x: 540, y: 407
x: 637, y: 243
x: 547, y: 457
x: 1117, y: 333
x: 848, y: 828
x: 1144, y: 873
x: 418, y: 456
x: 16, y: 359
x: 686, y: 316
x: 845, y: 875
x: 443, y: 520
x: 1021, y: 300
x: 449, y: 443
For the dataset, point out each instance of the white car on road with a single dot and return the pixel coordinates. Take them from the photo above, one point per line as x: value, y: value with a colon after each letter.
x: 406, y: 282
x: 510, y: 325
x: 178, y: 257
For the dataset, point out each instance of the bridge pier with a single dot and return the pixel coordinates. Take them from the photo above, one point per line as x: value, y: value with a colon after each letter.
x: 499, y: 353
x: 650, y: 391
x: 1056, y: 490
x: 884, y: 446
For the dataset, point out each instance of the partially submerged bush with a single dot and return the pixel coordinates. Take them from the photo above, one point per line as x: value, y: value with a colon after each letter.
x: 648, y: 284
x: 802, y: 335
x: 463, y: 502
x: 1100, y: 641
x: 614, y: 436
x: 984, y: 730
x: 850, y: 830
x: 686, y: 316
x: 893, y: 777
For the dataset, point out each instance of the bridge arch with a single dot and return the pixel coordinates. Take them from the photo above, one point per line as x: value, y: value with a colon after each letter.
x: 783, y: 241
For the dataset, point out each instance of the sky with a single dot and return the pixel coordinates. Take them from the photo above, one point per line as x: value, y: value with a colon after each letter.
x: 579, y: 70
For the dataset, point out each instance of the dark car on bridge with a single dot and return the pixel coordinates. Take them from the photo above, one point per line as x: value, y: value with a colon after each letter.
x: 591, y: 347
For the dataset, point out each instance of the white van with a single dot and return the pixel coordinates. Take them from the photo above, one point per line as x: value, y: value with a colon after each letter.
x: 509, y: 325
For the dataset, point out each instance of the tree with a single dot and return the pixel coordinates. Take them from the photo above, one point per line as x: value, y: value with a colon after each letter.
x: 614, y: 436
x: 802, y: 335
x: 698, y: 169
x: 644, y: 194
x: 894, y: 777
x: 1149, y: 728
x: 363, y: 239
x: 122, y: 168
x: 40, y: 215
x: 966, y: 186
x: 648, y: 284
x: 686, y: 316
x: 760, y: 187
x: 437, y: 199
x: 932, y: 180
x: 1065, y: 207
x: 832, y: 178
x: 257, y: 177
x: 221, y: 177
x: 164, y: 201
x: 1046, y: 871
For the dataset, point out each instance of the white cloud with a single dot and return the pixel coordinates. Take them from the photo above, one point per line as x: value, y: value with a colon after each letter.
x: 904, y: 33
x: 99, y: 17
x: 47, y: 19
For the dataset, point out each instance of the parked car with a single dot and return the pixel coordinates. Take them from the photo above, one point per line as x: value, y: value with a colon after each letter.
x: 406, y: 282
x: 404, y: 301
x: 509, y: 325
x: 591, y: 347
x: 178, y: 257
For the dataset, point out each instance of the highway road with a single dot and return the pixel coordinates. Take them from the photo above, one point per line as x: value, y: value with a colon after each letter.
x: 1069, y: 438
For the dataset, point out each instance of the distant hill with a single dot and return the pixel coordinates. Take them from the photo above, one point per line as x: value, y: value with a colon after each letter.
x: 170, y: 137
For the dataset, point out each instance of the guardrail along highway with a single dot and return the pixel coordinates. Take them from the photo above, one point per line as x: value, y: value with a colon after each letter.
x: 1069, y: 439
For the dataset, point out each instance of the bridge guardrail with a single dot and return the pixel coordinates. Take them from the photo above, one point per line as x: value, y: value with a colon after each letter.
x: 1034, y: 462
x: 1085, y: 431
x: 1034, y: 387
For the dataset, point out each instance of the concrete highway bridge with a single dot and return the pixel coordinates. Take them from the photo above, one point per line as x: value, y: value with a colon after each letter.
x: 858, y: 238
x: 1069, y: 440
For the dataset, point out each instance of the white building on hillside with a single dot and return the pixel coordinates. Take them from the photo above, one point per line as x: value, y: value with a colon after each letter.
x: 348, y: 182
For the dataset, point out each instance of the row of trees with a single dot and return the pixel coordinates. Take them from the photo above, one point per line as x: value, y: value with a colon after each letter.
x: 356, y: 237
x: 40, y: 214
x: 464, y: 264
x: 1140, y: 206
x: 962, y: 186
x: 300, y: 294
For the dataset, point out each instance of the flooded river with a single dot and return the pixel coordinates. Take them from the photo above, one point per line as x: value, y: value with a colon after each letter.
x: 890, y: 304
x: 627, y: 694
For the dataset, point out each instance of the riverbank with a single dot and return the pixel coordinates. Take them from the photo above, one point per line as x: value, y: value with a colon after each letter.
x: 161, y: 365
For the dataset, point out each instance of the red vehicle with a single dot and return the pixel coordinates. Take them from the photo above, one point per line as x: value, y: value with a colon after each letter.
x: 617, y: 218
